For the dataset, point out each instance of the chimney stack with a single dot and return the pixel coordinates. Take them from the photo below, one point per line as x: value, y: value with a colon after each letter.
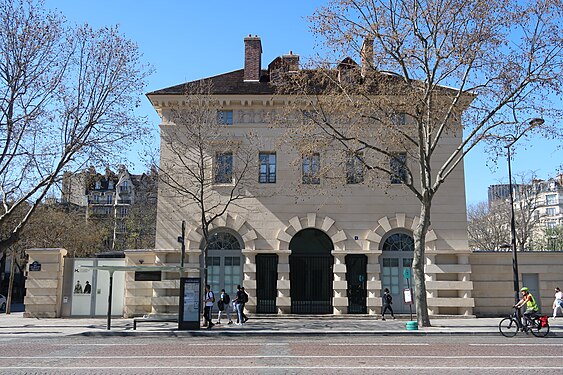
x: 366, y: 55
x: 291, y: 62
x: 252, y: 58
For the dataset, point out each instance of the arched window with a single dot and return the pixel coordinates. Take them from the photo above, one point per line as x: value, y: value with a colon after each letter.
x: 398, y: 242
x: 223, y: 241
x: 224, y: 261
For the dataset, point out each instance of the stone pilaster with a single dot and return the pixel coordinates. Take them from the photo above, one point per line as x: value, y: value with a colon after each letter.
x: 44, y: 288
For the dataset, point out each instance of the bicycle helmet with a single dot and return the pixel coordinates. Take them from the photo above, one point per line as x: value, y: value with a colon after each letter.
x: 524, y: 289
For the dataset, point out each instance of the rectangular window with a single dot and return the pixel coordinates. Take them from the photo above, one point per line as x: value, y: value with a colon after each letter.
x: 121, y: 227
x: 122, y: 212
x: 267, y: 167
x: 551, y: 199
x: 550, y: 211
x: 225, y: 117
x: 355, y: 168
x: 311, y: 168
x: 550, y: 224
x: 398, y: 167
x: 124, y: 186
x: 223, y: 167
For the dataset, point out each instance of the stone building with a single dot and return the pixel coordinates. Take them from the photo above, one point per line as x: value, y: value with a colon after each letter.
x: 299, y: 245
x: 109, y: 197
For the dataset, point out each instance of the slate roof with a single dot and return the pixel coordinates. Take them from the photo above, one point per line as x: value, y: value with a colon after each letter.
x: 224, y: 84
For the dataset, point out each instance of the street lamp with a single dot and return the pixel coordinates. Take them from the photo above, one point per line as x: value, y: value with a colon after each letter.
x: 533, y: 123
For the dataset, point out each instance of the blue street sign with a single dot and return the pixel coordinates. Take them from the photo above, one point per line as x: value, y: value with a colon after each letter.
x: 407, y: 273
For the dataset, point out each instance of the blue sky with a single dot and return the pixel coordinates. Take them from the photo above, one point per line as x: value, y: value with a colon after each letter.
x: 191, y: 39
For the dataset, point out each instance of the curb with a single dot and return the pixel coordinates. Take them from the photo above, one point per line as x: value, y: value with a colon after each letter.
x: 285, y: 333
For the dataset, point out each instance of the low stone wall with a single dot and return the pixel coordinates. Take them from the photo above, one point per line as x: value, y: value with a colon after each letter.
x: 492, y: 276
x: 44, y: 283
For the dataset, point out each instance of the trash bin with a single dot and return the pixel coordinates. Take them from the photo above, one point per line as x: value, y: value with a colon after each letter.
x: 412, y: 325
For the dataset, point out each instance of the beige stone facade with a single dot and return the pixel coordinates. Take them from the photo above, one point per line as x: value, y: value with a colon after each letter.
x: 493, y: 286
x: 357, y: 218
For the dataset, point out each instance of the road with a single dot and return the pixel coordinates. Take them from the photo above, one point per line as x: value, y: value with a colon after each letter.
x: 320, y: 354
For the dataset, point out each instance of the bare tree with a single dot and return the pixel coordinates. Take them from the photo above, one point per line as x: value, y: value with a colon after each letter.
x: 488, y: 226
x: 67, y: 96
x: 460, y: 72
x: 203, y: 164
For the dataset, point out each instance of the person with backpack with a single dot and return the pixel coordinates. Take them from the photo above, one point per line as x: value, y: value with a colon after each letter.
x: 224, y: 305
x: 387, y: 301
x: 240, y: 301
x: 208, y: 301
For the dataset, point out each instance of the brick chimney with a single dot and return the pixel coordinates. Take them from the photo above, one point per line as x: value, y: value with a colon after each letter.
x: 252, y: 58
x: 291, y: 62
x: 366, y: 56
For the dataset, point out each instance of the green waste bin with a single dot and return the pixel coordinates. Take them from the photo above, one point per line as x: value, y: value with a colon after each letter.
x: 412, y: 325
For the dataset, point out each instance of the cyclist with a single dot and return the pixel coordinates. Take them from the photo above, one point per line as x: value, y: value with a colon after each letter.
x: 531, y: 306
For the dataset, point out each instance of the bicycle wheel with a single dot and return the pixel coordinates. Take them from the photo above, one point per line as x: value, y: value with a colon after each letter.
x: 508, y: 327
x: 538, y: 330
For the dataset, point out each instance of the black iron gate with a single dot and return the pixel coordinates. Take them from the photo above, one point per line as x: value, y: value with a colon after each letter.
x: 356, y: 275
x: 311, y: 284
x: 266, y: 283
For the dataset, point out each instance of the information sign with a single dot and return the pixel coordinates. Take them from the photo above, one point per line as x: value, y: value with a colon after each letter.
x: 190, y: 288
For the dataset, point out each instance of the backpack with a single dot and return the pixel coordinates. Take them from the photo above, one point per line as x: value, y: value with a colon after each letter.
x: 244, y: 297
x: 226, y: 299
x: 212, y: 296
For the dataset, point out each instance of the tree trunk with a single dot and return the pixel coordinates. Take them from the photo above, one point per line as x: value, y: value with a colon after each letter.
x: 419, y: 260
x: 11, y: 283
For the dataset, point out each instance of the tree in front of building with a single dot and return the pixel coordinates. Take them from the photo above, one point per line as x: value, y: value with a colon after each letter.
x: 140, y: 222
x: 203, y: 164
x: 552, y: 239
x: 67, y: 99
x: 488, y: 226
x: 438, y: 78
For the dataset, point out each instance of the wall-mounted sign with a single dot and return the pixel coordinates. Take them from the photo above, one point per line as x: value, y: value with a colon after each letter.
x: 35, y: 266
x: 148, y: 275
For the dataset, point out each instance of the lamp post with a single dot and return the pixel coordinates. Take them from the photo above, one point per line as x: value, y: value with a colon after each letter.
x: 533, y: 123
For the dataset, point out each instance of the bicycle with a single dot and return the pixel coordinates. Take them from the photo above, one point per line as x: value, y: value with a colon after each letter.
x: 510, y: 326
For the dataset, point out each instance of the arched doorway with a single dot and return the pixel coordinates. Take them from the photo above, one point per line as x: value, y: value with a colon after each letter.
x: 397, y: 254
x: 224, y: 261
x: 311, y: 276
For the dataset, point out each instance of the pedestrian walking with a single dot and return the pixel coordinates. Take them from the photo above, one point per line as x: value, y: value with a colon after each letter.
x: 240, y: 301
x: 224, y: 306
x: 558, y: 302
x: 208, y: 301
x: 387, y: 302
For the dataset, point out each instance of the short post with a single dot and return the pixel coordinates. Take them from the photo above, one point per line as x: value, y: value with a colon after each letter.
x: 110, y: 297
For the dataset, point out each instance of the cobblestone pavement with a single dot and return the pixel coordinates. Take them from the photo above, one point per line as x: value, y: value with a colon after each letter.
x: 16, y: 325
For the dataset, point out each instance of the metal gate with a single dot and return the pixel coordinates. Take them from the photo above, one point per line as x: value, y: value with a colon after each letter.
x: 311, y: 284
x: 356, y: 275
x: 266, y: 283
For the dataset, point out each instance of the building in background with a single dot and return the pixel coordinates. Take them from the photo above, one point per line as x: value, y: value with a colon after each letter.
x: 110, y: 198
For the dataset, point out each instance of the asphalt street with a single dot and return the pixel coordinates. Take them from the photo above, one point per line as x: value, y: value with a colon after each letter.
x: 274, y: 345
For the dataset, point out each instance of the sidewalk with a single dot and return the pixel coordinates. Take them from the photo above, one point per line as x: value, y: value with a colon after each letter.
x: 15, y: 325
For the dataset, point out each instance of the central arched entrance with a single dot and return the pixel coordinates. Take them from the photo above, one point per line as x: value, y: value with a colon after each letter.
x: 311, y: 273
